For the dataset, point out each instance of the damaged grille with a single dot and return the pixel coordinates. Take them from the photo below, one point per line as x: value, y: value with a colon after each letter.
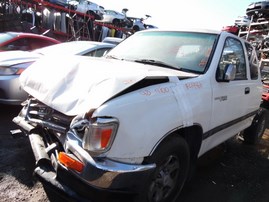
x: 43, y: 115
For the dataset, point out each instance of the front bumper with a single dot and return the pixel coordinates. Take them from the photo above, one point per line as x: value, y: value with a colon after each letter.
x: 100, y: 180
x: 71, y: 188
x: 11, y: 91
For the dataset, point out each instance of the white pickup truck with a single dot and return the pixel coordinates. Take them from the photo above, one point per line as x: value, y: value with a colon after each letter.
x: 135, y: 121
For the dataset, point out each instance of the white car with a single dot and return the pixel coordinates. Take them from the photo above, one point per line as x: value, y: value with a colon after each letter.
x: 91, y: 8
x: 242, y: 21
x: 13, y: 63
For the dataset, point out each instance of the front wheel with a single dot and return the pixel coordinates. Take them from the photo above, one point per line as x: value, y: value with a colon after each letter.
x: 172, y: 165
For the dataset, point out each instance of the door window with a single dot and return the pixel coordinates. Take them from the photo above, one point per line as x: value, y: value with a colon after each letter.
x: 233, y: 53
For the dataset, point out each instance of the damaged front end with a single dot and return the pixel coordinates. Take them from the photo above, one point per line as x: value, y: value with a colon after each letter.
x: 70, y: 153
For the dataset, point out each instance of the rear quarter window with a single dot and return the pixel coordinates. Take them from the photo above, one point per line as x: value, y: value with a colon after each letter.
x: 253, y: 62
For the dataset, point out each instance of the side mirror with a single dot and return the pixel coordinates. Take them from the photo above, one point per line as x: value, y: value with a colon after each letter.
x: 229, y: 73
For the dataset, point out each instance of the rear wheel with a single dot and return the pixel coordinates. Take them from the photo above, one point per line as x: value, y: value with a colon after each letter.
x: 254, y: 133
x: 136, y: 28
x: 172, y: 165
x: 94, y: 15
x: 116, y: 22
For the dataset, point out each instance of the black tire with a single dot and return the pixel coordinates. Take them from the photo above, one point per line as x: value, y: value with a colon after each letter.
x: 94, y: 15
x: 254, y: 133
x: 172, y: 164
x: 265, y: 104
x: 136, y: 28
x: 116, y: 22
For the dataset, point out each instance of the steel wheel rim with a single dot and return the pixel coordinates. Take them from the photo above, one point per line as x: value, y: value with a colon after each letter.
x: 165, y: 179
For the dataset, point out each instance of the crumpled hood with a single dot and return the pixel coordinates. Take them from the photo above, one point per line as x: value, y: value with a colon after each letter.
x: 76, y: 84
x: 9, y: 58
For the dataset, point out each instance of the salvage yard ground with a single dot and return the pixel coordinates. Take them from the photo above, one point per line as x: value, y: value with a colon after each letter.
x: 232, y: 172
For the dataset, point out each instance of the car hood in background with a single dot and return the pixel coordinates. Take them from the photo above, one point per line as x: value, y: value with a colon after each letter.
x: 9, y: 58
x: 77, y: 84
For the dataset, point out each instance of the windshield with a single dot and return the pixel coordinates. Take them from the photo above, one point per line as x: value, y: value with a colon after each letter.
x: 182, y: 50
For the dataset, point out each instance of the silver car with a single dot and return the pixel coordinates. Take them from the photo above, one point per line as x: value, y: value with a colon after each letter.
x: 13, y: 63
x: 116, y: 18
x: 90, y: 8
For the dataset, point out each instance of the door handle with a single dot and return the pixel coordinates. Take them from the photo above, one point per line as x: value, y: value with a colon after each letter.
x: 247, y: 90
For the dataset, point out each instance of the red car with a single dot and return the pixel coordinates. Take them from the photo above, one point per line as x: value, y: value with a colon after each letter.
x: 24, y: 41
x: 231, y: 29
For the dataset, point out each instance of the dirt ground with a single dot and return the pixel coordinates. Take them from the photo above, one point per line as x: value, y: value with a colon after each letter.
x: 232, y: 172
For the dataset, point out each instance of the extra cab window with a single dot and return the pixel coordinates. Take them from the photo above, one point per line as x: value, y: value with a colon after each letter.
x: 253, y: 62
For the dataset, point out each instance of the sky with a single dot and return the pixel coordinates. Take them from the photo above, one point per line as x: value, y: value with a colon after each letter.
x: 207, y: 14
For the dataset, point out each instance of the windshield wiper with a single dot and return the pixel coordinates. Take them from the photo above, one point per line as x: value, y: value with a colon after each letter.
x: 157, y: 63
x: 113, y: 57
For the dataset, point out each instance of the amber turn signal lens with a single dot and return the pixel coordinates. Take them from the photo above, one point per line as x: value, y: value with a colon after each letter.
x: 105, y: 137
x: 19, y: 71
x: 69, y: 162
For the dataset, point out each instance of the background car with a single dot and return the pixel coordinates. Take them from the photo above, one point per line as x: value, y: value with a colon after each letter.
x: 113, y: 40
x: 85, y: 48
x: 138, y: 24
x: 232, y: 29
x: 24, y: 41
x: 116, y: 18
x: 260, y: 8
x: 64, y: 3
x: 151, y: 26
x: 242, y: 21
x: 13, y: 63
x: 89, y: 7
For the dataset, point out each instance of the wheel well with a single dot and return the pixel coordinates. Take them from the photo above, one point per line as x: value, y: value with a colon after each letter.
x: 192, y: 135
x: 90, y: 12
x: 93, y: 14
x: 116, y: 21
